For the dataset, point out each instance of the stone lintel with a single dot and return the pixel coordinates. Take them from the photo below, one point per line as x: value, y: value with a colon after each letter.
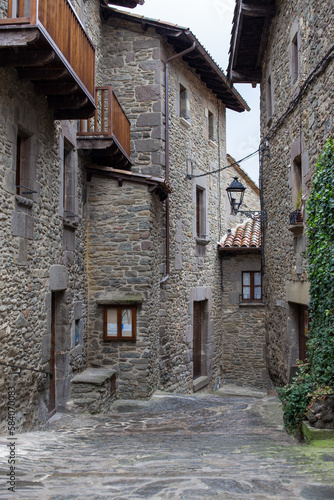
x: 111, y: 299
x: 95, y: 376
x: 298, y: 292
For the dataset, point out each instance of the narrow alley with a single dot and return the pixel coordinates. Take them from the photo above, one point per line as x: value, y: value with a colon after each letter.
x: 223, y: 445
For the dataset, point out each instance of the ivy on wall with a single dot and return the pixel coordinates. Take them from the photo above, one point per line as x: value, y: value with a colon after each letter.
x: 316, y: 376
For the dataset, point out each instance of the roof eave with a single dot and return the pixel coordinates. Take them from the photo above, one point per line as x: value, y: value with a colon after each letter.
x: 224, y: 91
x: 259, y: 13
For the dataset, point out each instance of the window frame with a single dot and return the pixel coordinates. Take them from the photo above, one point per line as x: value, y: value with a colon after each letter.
x: 119, y: 337
x: 184, y: 103
x: 200, y: 212
x: 251, y: 286
x: 211, y: 127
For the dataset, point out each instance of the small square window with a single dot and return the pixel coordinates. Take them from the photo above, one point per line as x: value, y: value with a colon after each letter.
x: 120, y: 323
x: 251, y: 286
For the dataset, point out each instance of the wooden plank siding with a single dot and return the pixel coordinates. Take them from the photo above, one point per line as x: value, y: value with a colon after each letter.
x: 110, y: 120
x: 58, y: 20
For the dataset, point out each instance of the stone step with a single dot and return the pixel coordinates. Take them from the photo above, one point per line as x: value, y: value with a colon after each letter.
x: 94, y: 390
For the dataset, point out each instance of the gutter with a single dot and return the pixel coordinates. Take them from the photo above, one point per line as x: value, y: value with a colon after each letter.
x: 180, y: 54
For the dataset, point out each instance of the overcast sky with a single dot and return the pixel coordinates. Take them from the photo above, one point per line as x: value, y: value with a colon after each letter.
x: 211, y: 23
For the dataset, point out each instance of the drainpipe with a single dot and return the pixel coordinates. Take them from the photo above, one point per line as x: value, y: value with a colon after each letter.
x: 180, y: 54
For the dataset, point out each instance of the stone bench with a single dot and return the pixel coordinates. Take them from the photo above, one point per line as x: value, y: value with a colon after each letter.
x: 94, y: 390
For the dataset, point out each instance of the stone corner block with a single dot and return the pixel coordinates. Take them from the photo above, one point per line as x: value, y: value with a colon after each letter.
x: 58, y: 278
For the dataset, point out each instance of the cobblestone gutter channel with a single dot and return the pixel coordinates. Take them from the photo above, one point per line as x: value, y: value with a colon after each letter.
x: 208, y: 446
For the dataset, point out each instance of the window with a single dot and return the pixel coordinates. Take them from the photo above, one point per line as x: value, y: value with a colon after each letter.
x: 76, y: 331
x: 251, y: 286
x: 200, y: 212
x: 24, y: 166
x: 211, y: 127
x: 297, y: 181
x: 269, y: 98
x: 294, y: 56
x: 69, y: 200
x: 120, y: 323
x: 184, y: 103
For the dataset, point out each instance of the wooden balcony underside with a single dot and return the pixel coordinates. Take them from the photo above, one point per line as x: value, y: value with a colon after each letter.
x: 38, y: 59
x: 105, y: 151
x: 106, y: 136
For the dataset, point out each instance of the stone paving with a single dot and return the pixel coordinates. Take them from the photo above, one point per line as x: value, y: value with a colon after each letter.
x: 208, y: 446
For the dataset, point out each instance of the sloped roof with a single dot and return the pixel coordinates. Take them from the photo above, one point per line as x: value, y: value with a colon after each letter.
x: 250, y: 27
x: 199, y: 59
x: 243, y: 174
x: 245, y: 237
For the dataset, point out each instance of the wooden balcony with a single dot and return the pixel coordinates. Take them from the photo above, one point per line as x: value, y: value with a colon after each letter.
x: 46, y: 42
x: 107, y: 135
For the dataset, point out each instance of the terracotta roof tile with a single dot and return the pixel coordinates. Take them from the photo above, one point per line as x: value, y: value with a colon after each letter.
x: 245, y: 235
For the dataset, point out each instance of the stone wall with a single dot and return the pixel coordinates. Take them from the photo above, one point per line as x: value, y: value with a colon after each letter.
x: 305, y: 26
x: 37, y: 245
x: 244, y: 358
x: 123, y: 260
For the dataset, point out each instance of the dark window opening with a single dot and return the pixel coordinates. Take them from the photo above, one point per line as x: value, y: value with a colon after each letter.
x: 184, y: 103
x: 200, y: 212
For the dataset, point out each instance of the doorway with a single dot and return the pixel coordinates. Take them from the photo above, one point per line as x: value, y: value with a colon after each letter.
x: 198, y: 338
x: 303, y: 331
x: 52, y: 391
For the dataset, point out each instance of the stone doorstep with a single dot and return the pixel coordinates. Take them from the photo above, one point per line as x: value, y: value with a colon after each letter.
x: 95, y: 376
x: 320, y: 437
x: 200, y: 382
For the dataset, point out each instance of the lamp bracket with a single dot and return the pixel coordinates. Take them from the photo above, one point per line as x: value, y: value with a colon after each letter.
x: 253, y: 214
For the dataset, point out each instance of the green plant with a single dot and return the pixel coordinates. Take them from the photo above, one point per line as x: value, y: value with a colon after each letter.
x: 318, y: 372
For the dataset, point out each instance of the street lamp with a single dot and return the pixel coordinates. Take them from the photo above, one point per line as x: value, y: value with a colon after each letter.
x: 235, y: 192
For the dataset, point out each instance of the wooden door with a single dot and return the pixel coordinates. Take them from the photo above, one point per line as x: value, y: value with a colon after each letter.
x: 52, y: 394
x: 303, y: 332
x: 197, y: 339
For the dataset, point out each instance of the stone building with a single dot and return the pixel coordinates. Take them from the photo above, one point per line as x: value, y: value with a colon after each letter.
x: 286, y: 47
x: 110, y: 218
x: 170, y: 278
x: 243, y: 309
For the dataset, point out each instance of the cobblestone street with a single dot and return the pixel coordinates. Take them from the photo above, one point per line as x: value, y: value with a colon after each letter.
x: 208, y: 446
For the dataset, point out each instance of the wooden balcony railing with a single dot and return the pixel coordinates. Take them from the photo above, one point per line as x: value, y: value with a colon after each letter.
x: 110, y: 123
x: 60, y: 30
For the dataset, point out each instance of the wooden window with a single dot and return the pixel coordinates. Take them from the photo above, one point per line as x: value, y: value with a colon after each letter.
x: 120, y: 323
x: 200, y: 212
x: 251, y: 286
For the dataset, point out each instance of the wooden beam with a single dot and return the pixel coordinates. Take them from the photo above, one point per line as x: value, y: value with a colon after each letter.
x: 250, y: 76
x: 56, y: 88
x: 257, y: 10
x: 43, y: 73
x: 68, y: 102
x: 32, y: 58
x: 73, y: 114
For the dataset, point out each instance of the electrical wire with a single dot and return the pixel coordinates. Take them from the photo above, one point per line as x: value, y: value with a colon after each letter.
x: 226, y: 166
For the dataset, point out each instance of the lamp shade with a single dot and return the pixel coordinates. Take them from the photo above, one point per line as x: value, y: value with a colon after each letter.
x: 235, y: 193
